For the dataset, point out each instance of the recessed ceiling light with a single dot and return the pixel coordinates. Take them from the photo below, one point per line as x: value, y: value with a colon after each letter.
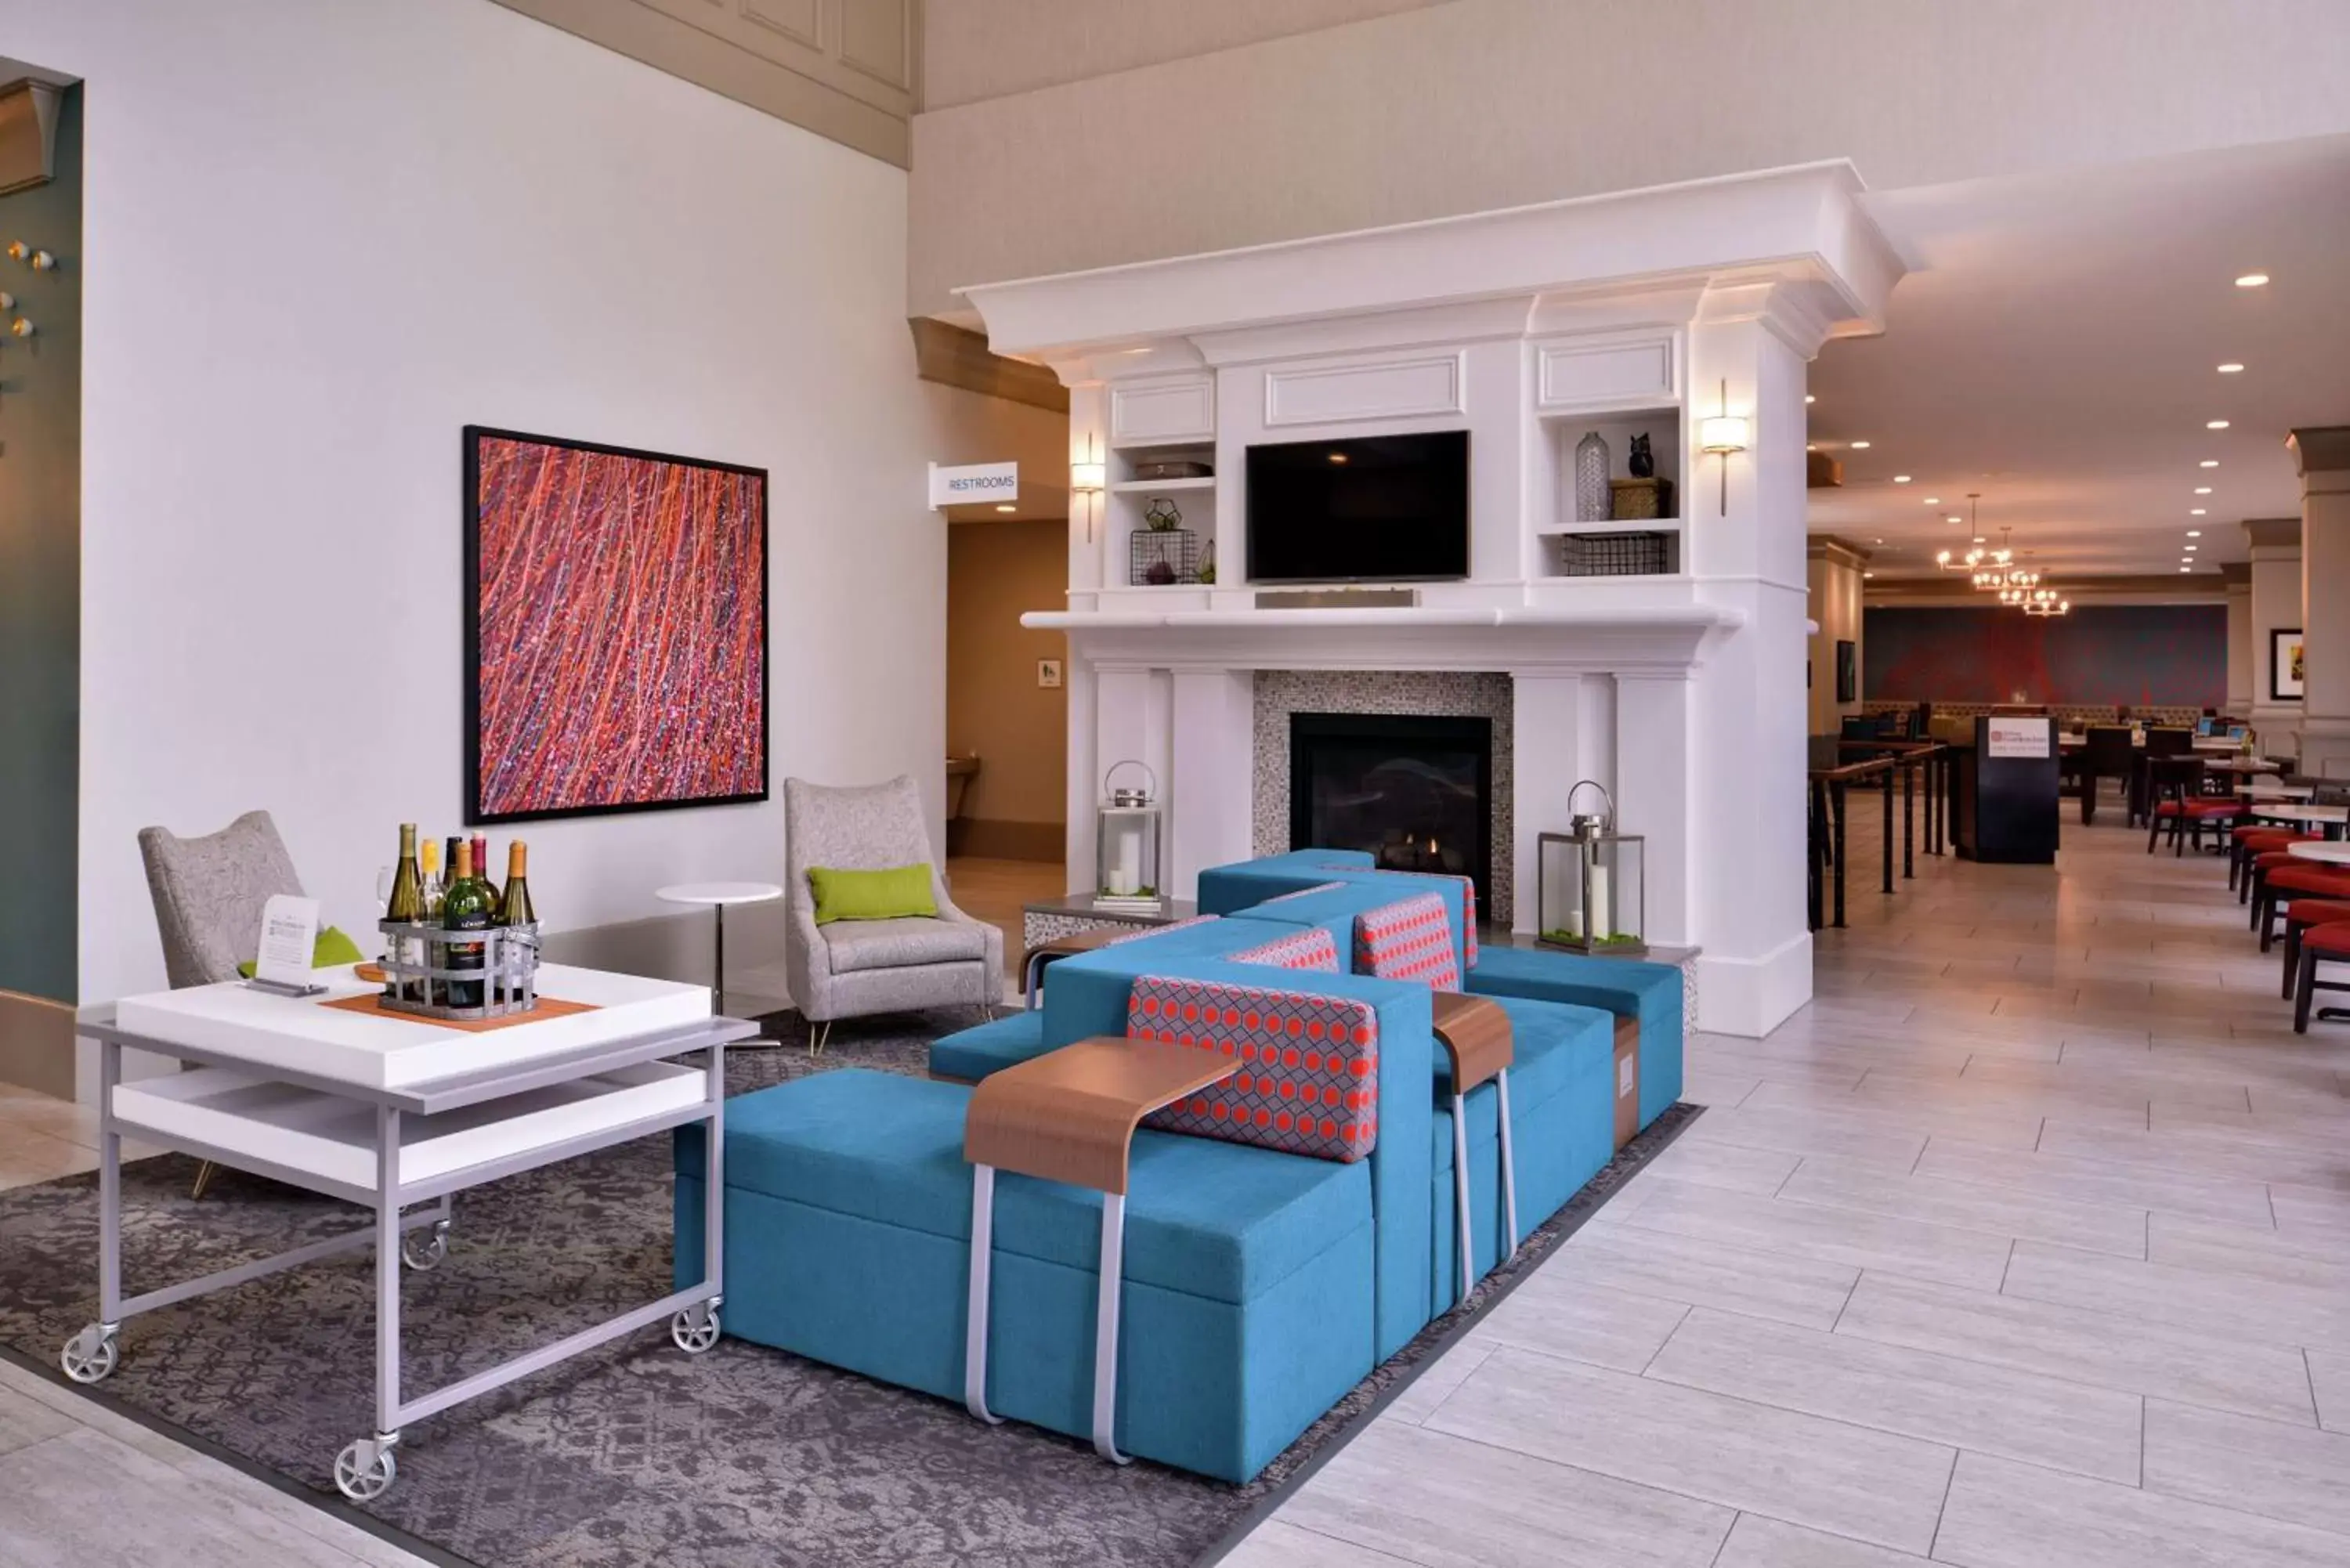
x: 2208, y: 462
x: 2252, y: 280
x: 1338, y: 457
x: 1979, y: 538
x: 2214, y: 424
x: 2202, y: 490
x: 1007, y: 509
x: 1900, y: 479
x: 1811, y: 446
x: 1860, y: 446
x: 1933, y: 501
x: 1954, y: 517
x: 2191, y: 549
x: 1809, y: 398
x: 2231, y: 369
x: 1868, y: 574
x: 2195, y: 532
x: 2195, y: 511
x: 2186, y: 568
x: 1880, y: 541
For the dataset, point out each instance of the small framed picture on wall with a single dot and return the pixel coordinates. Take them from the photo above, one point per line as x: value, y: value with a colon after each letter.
x: 1048, y: 673
x: 2285, y: 664
x: 1847, y: 671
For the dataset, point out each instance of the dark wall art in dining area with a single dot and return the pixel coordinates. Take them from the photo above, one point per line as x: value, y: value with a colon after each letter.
x: 616, y: 629
x: 2142, y: 655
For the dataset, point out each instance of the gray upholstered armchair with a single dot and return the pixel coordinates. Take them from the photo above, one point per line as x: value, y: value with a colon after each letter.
x: 849, y: 969
x: 209, y: 893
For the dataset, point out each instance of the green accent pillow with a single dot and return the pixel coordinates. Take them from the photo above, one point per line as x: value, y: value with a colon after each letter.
x: 889, y: 895
x: 332, y: 948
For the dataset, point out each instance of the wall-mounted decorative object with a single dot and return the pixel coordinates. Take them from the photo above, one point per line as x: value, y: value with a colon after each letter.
x: 616, y: 629
x: 1847, y: 671
x: 1164, y: 553
x: 1591, y: 493
x: 2284, y: 665
x: 1088, y: 477
x: 1048, y: 674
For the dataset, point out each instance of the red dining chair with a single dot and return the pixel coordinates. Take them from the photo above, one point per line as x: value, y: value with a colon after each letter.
x: 2328, y: 944
x: 2174, y: 785
x: 2299, y: 916
x: 2281, y: 884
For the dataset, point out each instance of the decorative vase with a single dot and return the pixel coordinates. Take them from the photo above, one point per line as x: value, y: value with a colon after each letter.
x: 1591, y: 500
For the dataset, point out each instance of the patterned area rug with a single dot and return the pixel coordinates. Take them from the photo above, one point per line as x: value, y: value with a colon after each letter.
x: 634, y: 1454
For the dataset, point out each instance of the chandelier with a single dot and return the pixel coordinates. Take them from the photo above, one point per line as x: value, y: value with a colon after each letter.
x: 2046, y: 602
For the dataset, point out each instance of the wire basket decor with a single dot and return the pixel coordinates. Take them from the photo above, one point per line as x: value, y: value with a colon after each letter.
x: 1159, y: 558
x: 1626, y: 555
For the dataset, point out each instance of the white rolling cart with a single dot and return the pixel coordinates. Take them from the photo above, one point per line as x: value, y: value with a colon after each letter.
x: 389, y: 1112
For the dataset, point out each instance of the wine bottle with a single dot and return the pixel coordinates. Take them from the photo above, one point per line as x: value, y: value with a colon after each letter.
x: 514, y: 904
x: 465, y: 907
x: 433, y: 888
x: 407, y: 900
x: 482, y: 868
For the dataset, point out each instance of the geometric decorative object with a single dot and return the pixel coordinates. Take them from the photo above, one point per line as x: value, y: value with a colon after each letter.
x: 616, y: 629
x: 1162, y: 557
x: 1591, y: 494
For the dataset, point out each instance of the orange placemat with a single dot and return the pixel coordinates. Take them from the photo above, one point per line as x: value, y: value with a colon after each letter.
x: 548, y: 1007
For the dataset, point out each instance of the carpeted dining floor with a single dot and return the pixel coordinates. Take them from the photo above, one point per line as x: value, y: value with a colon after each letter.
x: 634, y: 1454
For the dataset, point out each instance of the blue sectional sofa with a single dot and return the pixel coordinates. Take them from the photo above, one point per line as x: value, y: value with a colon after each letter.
x: 1259, y: 1285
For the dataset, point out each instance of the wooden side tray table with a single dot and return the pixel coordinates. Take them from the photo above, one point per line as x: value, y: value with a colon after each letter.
x: 1475, y: 1033
x: 1069, y: 1115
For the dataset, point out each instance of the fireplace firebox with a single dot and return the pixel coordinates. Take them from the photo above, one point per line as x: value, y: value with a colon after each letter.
x: 1415, y: 791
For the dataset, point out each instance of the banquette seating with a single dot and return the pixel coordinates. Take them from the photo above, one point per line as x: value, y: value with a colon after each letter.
x: 1285, y: 1230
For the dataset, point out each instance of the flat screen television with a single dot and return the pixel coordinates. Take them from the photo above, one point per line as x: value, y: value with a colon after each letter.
x: 1378, y: 509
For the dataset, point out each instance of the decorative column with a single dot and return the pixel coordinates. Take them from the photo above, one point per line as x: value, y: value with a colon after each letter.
x: 1748, y: 719
x: 2275, y: 600
x: 2324, y: 454
x: 2239, y: 580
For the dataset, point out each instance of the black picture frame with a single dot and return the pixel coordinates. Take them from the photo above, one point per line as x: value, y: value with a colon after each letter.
x: 471, y: 673
x: 1847, y: 671
x: 2285, y: 646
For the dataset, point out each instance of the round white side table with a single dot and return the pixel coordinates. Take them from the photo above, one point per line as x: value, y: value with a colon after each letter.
x: 718, y: 896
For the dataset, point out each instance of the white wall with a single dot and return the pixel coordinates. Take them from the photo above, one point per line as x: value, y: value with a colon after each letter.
x: 323, y: 237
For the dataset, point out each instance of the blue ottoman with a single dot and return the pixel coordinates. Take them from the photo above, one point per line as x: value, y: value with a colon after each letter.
x: 1627, y: 988
x: 1248, y: 1273
x: 973, y: 1054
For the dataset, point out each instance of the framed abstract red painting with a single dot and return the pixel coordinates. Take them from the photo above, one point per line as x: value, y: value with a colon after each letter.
x: 616, y: 629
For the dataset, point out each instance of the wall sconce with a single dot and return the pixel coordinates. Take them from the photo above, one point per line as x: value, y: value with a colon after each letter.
x: 1089, y: 479
x: 1721, y: 434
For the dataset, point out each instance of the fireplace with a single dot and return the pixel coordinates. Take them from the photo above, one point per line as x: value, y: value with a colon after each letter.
x: 1415, y: 791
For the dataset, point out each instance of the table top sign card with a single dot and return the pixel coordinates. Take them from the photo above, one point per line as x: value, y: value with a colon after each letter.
x: 289, y: 934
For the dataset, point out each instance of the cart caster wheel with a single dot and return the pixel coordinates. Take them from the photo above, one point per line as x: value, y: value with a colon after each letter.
x: 90, y: 1354
x: 695, y: 1329
x: 365, y: 1469
x: 422, y: 1250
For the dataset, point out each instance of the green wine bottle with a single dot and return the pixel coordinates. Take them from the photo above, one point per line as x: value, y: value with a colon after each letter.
x: 514, y: 904
x: 465, y: 907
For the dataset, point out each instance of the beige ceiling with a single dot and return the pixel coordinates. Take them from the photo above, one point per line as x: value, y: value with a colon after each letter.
x: 2056, y: 351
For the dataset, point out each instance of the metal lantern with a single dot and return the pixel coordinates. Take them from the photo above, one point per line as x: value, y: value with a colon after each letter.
x: 1590, y: 885
x: 1130, y: 827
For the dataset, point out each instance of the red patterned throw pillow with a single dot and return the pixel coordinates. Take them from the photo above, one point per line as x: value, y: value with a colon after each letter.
x: 1308, y: 1082
x: 1409, y: 939
x: 1468, y: 901
x: 1312, y: 947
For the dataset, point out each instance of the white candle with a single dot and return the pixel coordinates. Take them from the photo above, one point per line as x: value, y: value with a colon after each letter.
x: 1126, y: 877
x: 1602, y: 914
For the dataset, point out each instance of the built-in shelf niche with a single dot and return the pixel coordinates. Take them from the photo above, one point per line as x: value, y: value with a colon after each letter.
x: 1662, y: 426
x: 1193, y: 496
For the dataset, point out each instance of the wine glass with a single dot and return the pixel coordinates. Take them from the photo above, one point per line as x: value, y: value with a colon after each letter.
x: 383, y: 891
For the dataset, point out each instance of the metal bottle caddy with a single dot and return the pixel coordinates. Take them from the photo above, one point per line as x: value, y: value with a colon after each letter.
x: 417, y: 971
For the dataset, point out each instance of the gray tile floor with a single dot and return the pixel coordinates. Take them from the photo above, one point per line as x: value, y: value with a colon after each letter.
x: 2027, y: 1243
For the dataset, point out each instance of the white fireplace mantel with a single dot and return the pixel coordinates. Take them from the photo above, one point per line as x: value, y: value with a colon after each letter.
x: 1530, y: 639
x: 1682, y: 689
